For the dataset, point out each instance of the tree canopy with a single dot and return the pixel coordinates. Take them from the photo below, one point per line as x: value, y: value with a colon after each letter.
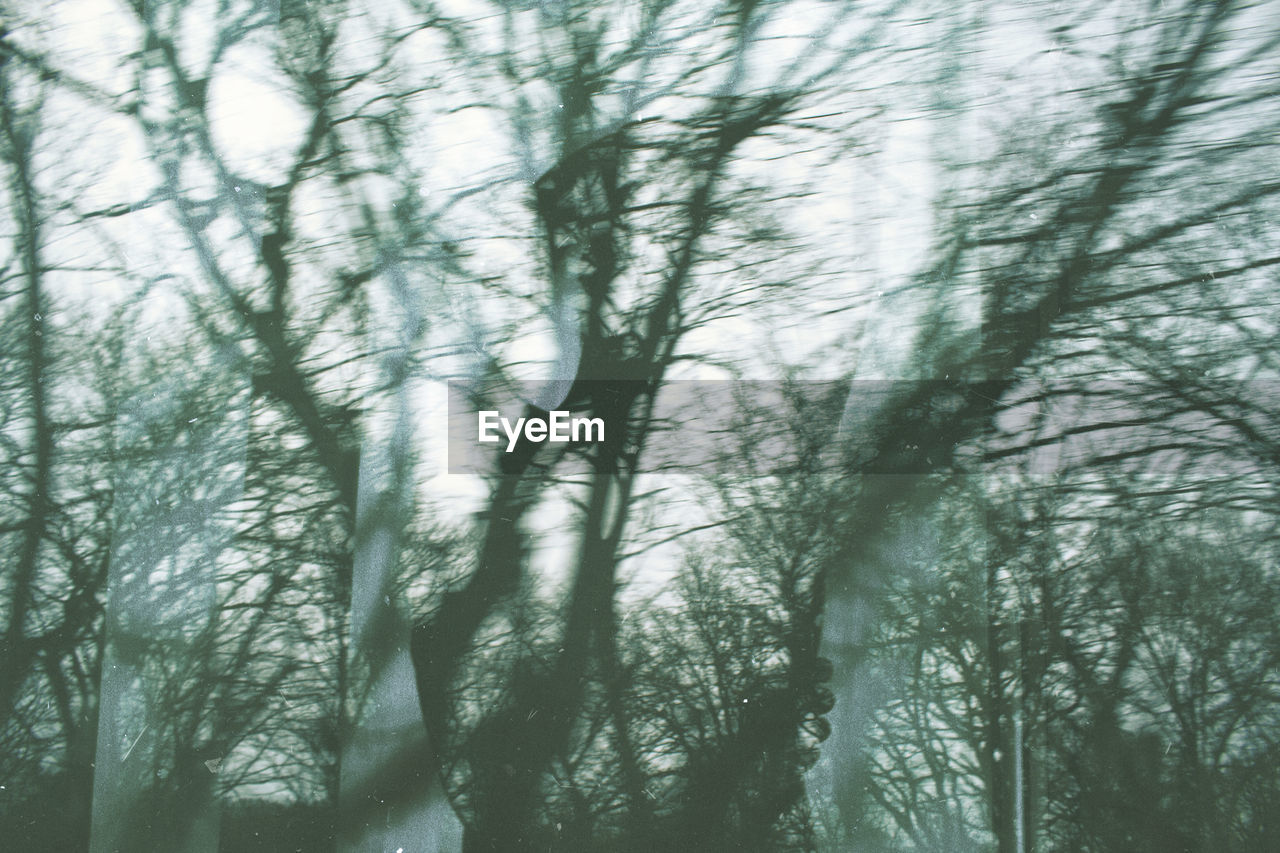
x: 933, y: 506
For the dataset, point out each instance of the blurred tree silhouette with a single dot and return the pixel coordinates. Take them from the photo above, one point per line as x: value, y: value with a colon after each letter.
x: 626, y: 214
x: 1083, y: 638
x: 56, y: 501
x: 1020, y: 598
x: 1073, y: 251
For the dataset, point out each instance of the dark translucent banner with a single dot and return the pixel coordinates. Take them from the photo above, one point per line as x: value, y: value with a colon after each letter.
x: 873, y: 427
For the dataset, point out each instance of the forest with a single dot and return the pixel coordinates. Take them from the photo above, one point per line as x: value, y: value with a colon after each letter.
x: 934, y: 502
